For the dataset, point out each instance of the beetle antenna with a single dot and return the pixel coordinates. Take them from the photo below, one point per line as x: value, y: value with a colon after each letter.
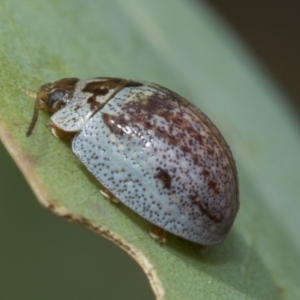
x: 29, y: 94
x: 34, y: 117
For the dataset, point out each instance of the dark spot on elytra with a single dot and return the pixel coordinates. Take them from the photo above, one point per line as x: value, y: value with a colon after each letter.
x: 77, y: 107
x: 204, y: 209
x: 117, y: 124
x: 164, y: 176
x: 212, y: 185
x: 205, y: 173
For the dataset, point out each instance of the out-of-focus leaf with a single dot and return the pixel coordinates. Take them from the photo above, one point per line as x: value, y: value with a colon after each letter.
x: 187, y: 49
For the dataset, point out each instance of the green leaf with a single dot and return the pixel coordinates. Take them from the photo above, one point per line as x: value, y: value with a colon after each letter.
x: 189, y: 50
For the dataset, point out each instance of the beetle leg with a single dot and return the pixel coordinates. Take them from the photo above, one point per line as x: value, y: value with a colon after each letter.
x: 158, y: 234
x: 109, y: 196
x: 60, y: 134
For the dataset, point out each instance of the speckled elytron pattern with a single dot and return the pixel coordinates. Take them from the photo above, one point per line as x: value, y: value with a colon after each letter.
x: 159, y: 155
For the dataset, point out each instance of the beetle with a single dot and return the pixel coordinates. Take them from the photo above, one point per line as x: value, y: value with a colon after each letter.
x: 150, y: 149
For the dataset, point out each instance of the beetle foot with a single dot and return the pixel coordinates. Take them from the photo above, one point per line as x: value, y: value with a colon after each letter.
x: 158, y: 234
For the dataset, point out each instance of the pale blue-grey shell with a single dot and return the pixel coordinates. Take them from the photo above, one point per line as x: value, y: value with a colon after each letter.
x: 159, y: 155
x: 74, y: 115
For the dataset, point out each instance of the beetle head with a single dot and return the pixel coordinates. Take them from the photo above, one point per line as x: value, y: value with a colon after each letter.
x: 52, y: 97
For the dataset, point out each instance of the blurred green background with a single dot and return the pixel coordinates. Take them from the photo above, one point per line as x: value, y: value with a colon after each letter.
x: 36, y: 245
x: 44, y: 257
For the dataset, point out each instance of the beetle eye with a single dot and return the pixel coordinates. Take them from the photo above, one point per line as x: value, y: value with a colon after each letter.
x: 55, y: 99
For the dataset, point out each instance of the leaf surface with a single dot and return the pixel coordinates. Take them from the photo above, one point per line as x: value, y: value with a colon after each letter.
x: 189, y: 50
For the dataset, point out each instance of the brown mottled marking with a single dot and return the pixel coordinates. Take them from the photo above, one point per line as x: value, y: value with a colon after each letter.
x: 205, y: 210
x: 164, y: 176
x: 159, y: 105
x: 213, y: 186
x: 97, y: 88
x: 101, y: 88
x: 205, y: 173
x: 115, y: 124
